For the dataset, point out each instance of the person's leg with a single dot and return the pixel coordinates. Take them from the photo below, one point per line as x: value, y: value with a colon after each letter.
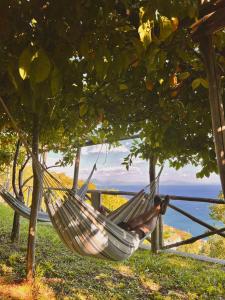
x: 147, y: 216
x: 150, y: 224
x: 146, y: 222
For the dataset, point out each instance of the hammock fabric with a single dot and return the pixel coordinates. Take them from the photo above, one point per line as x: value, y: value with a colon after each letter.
x: 86, y: 231
x: 21, y: 208
x: 24, y: 210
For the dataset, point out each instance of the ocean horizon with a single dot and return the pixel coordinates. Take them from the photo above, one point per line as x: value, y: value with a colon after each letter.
x: 197, y: 209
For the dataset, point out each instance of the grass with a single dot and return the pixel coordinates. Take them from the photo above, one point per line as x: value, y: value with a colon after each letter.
x: 62, y: 275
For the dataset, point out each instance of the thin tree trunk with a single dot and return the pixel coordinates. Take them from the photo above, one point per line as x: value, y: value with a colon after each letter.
x: 76, y: 169
x: 15, y: 233
x: 35, y: 201
x: 216, y: 104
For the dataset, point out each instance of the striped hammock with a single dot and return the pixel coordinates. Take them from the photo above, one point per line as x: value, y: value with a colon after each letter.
x: 86, y: 231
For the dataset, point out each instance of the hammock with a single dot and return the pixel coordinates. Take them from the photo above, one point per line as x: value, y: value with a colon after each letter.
x: 22, y: 209
x: 86, y: 231
x: 82, y: 228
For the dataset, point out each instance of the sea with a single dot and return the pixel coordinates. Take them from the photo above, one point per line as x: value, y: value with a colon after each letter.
x: 197, y: 209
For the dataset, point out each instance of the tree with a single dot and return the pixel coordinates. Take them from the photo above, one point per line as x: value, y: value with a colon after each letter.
x: 118, y: 67
x: 46, y: 62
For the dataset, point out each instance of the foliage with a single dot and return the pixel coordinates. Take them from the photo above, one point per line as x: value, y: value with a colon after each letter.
x: 172, y: 235
x: 61, y: 274
x: 112, y: 202
x: 107, y: 69
x: 195, y: 248
x: 175, y: 122
x: 214, y: 247
x: 217, y: 211
x: 81, y: 75
x: 7, y: 149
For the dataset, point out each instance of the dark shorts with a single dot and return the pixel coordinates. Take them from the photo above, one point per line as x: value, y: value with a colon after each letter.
x: 141, y: 234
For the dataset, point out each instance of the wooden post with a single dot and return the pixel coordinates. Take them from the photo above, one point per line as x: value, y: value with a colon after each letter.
x: 35, y: 201
x: 155, y: 233
x: 76, y: 169
x: 96, y: 200
x: 216, y: 104
x: 160, y: 222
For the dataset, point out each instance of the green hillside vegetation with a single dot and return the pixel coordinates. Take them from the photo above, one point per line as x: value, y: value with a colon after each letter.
x: 62, y: 275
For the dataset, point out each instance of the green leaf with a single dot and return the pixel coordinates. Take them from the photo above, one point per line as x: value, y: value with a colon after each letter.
x: 123, y: 87
x: 183, y: 76
x: 204, y: 83
x: 166, y: 28
x: 144, y: 31
x: 195, y: 83
x: 24, y: 63
x: 83, y: 109
x: 40, y: 67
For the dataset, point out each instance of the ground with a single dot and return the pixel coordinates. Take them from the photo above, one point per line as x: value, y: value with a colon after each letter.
x: 63, y: 275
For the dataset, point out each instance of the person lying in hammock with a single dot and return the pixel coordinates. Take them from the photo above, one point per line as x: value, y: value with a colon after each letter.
x: 146, y: 222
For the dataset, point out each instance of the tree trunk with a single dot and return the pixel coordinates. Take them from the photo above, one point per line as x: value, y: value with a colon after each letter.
x: 216, y: 104
x: 155, y: 233
x: 76, y: 169
x: 44, y: 157
x: 15, y: 233
x: 35, y: 201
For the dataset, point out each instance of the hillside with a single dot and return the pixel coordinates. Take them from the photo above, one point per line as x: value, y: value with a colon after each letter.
x: 62, y: 275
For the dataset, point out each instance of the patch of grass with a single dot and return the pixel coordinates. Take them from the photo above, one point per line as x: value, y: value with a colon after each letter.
x: 63, y: 275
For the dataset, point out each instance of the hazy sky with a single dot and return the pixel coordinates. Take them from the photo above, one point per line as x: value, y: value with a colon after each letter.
x: 110, y: 171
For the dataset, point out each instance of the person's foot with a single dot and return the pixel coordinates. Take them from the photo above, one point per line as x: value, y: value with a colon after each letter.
x: 164, y: 205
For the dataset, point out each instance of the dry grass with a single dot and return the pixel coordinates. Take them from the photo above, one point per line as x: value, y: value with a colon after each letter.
x: 24, y: 290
